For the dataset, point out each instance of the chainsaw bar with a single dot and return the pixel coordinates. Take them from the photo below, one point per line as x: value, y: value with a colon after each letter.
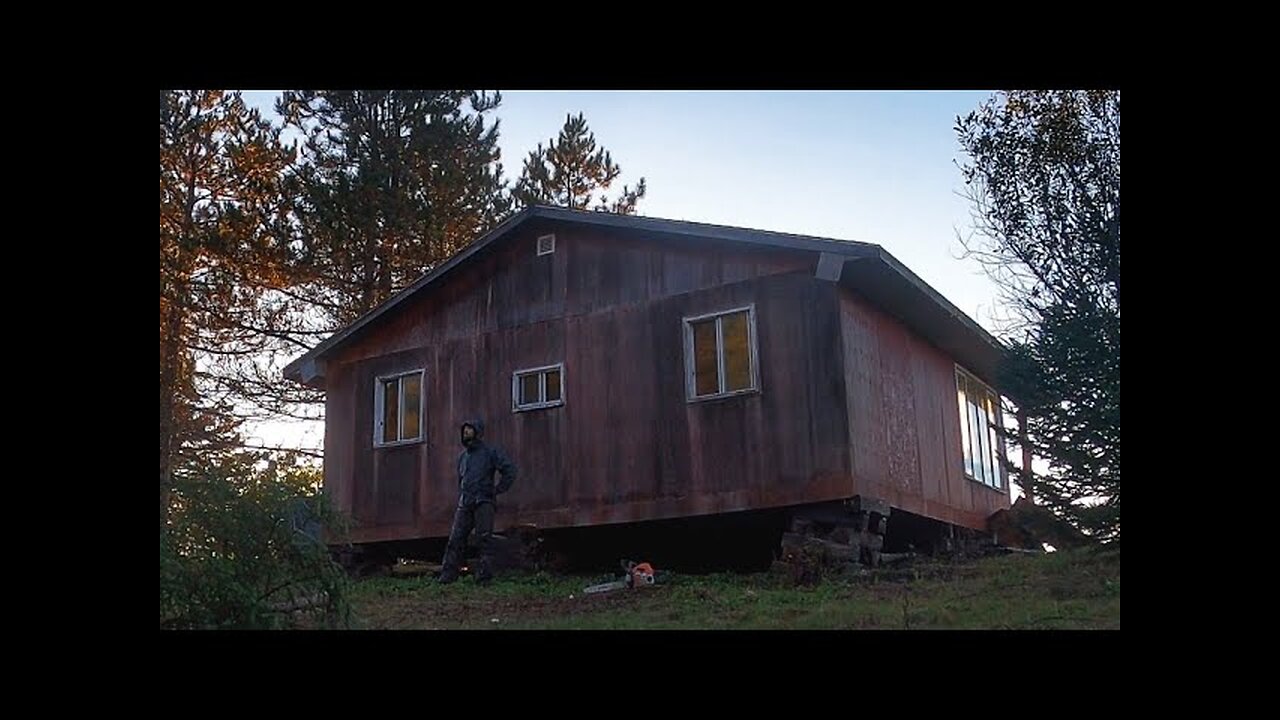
x: 606, y: 587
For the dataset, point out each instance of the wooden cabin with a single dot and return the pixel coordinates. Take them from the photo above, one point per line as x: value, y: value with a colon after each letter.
x: 640, y: 369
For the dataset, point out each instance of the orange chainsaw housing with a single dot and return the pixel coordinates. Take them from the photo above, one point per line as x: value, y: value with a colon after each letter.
x: 642, y: 575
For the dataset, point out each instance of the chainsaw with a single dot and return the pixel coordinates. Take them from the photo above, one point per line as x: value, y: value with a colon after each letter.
x: 637, y: 575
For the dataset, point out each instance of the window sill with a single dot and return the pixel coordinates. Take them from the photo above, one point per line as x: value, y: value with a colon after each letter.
x: 723, y: 396
x: 539, y: 406
x: 398, y: 443
x: 975, y: 480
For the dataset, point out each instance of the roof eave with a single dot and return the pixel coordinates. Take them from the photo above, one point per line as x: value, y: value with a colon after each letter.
x: 898, y: 290
x: 293, y: 370
x: 893, y: 288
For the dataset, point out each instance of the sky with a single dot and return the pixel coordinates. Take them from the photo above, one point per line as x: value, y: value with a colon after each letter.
x: 873, y: 166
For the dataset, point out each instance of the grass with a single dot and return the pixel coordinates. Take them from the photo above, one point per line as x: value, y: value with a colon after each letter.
x: 1063, y: 590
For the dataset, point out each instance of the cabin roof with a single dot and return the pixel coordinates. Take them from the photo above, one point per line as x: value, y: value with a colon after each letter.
x: 867, y: 268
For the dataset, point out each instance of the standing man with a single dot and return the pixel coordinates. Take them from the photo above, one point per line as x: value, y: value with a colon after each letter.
x: 477, y: 500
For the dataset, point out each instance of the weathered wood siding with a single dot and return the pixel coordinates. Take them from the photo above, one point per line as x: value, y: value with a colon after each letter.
x: 904, y: 420
x: 625, y: 445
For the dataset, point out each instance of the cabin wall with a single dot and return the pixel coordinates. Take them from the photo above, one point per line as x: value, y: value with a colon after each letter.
x: 625, y: 445
x: 904, y: 420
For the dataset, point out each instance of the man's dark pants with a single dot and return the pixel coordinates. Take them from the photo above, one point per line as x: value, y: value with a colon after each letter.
x: 470, y: 514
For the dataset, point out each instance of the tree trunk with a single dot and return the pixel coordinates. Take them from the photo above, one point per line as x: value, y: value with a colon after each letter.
x: 1028, y: 478
x: 170, y: 361
x: 172, y: 340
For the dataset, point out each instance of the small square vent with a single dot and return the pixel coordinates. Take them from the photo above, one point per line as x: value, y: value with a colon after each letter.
x: 546, y: 244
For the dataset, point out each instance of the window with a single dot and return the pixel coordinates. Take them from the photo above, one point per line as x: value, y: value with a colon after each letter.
x: 979, y: 436
x: 398, y: 409
x: 720, y: 354
x: 546, y: 244
x: 537, y: 388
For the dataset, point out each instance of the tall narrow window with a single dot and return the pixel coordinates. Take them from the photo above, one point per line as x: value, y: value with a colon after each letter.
x: 398, y: 409
x: 720, y: 354
x: 979, y: 431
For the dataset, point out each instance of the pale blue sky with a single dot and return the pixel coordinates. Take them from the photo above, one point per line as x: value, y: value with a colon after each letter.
x: 877, y: 167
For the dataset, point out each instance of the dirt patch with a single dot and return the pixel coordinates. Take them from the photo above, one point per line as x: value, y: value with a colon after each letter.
x: 467, y: 606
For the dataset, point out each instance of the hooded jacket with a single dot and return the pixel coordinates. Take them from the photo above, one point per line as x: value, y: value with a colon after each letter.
x: 477, y: 465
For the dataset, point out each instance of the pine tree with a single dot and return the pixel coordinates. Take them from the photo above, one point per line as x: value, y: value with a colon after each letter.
x: 1045, y: 183
x: 569, y: 173
x: 221, y: 249
x: 391, y: 184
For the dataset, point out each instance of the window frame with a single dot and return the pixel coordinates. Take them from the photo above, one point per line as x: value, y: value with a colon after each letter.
x: 1000, y: 453
x: 690, y: 379
x: 543, y: 403
x: 379, y: 407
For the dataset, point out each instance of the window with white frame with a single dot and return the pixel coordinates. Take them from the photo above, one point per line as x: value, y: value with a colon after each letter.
x: 720, y: 354
x: 537, y: 388
x: 980, y: 418
x: 398, y: 409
